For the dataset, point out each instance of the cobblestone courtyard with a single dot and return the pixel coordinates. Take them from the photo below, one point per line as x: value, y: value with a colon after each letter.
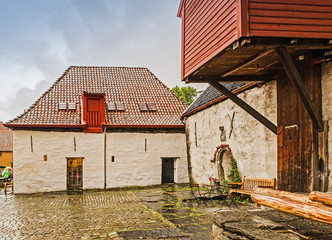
x: 103, y: 214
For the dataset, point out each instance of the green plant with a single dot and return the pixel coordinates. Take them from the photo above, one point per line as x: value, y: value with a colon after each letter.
x: 232, y: 175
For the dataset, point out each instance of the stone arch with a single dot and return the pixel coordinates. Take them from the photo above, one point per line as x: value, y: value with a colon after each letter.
x: 222, y: 161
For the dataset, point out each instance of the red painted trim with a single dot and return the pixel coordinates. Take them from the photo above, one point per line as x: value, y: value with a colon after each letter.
x: 142, y: 126
x: 180, y: 12
x: 182, y: 43
x: 220, y: 99
x: 84, y: 126
x: 244, y: 11
x: 9, y: 125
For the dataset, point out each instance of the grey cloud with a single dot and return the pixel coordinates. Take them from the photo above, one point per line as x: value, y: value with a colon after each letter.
x: 24, y: 98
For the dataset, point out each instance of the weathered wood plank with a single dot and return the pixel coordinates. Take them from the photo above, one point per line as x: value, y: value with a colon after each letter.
x: 246, y: 62
x: 297, y: 2
x: 318, y: 213
x: 323, y: 197
x: 232, y: 78
x: 288, y: 196
x: 296, y: 80
x: 290, y: 7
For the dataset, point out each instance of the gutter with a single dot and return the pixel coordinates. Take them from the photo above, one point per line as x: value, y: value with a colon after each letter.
x: 10, y: 125
x: 141, y: 126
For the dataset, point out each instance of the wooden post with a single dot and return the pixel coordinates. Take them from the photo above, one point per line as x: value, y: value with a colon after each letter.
x: 296, y: 80
x: 259, y: 117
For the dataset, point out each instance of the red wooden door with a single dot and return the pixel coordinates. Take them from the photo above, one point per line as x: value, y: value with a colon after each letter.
x: 93, y: 112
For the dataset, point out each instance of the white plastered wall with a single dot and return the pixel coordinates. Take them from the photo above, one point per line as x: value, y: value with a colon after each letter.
x: 132, y: 166
x: 253, y: 146
x: 135, y: 165
x: 327, y: 110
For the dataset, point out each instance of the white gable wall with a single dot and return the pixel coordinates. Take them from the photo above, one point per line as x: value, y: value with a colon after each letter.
x: 327, y: 110
x: 132, y: 166
x: 253, y: 146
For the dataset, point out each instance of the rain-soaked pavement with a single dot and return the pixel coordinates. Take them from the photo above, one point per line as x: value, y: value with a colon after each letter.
x: 153, y: 213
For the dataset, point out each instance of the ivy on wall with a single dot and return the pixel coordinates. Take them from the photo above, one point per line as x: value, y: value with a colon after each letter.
x: 232, y: 174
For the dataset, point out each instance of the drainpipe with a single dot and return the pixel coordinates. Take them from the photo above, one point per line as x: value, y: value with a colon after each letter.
x: 105, y: 145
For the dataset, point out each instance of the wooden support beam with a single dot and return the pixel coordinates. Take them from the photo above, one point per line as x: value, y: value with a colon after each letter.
x: 259, y: 117
x: 296, y: 80
x: 246, y: 62
x: 233, y: 78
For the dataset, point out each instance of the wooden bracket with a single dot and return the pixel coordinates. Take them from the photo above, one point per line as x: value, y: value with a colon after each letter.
x: 259, y: 117
x: 296, y: 80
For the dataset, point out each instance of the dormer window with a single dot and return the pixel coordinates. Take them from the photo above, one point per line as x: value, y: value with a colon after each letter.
x: 93, y: 112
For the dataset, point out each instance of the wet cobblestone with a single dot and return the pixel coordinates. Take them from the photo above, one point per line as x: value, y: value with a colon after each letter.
x: 91, y: 215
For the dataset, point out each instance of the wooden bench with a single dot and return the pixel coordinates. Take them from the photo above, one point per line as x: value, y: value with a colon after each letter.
x: 247, y: 186
x: 8, y: 185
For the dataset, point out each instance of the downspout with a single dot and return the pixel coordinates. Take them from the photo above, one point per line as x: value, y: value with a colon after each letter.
x: 105, y: 145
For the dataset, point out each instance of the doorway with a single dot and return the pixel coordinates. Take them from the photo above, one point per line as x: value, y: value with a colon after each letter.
x: 74, y: 173
x: 167, y: 172
x: 223, y: 164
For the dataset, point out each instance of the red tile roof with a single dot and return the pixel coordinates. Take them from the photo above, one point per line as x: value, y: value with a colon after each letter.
x: 6, y: 139
x: 126, y: 85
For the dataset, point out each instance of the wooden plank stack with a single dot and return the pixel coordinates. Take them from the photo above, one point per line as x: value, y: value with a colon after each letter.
x: 317, y: 206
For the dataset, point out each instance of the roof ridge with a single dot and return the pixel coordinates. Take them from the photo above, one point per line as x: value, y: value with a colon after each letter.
x: 38, y: 99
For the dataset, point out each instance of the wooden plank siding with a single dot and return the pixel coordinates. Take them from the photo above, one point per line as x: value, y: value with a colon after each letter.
x: 297, y: 171
x: 208, y: 27
x: 290, y: 18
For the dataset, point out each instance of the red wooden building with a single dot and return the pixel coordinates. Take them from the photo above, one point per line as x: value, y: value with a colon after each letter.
x: 256, y: 41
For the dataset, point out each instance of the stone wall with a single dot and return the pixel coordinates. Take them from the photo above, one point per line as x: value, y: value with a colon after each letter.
x: 132, y: 166
x: 253, y: 146
x: 327, y: 109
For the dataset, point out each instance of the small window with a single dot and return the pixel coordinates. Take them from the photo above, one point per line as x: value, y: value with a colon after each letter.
x: 119, y: 107
x: 142, y: 107
x: 71, y: 106
x: 62, y: 106
x: 111, y: 106
x: 152, y: 107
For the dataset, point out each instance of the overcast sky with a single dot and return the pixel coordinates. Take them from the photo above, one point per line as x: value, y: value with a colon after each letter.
x: 40, y: 39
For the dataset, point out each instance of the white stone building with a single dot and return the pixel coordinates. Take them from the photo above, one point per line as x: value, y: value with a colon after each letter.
x: 215, y: 124
x: 100, y: 127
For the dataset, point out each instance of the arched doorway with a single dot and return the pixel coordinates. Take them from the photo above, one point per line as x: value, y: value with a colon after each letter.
x: 222, y: 161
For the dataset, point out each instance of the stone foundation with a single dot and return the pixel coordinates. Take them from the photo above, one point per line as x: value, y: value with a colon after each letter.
x: 266, y: 223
